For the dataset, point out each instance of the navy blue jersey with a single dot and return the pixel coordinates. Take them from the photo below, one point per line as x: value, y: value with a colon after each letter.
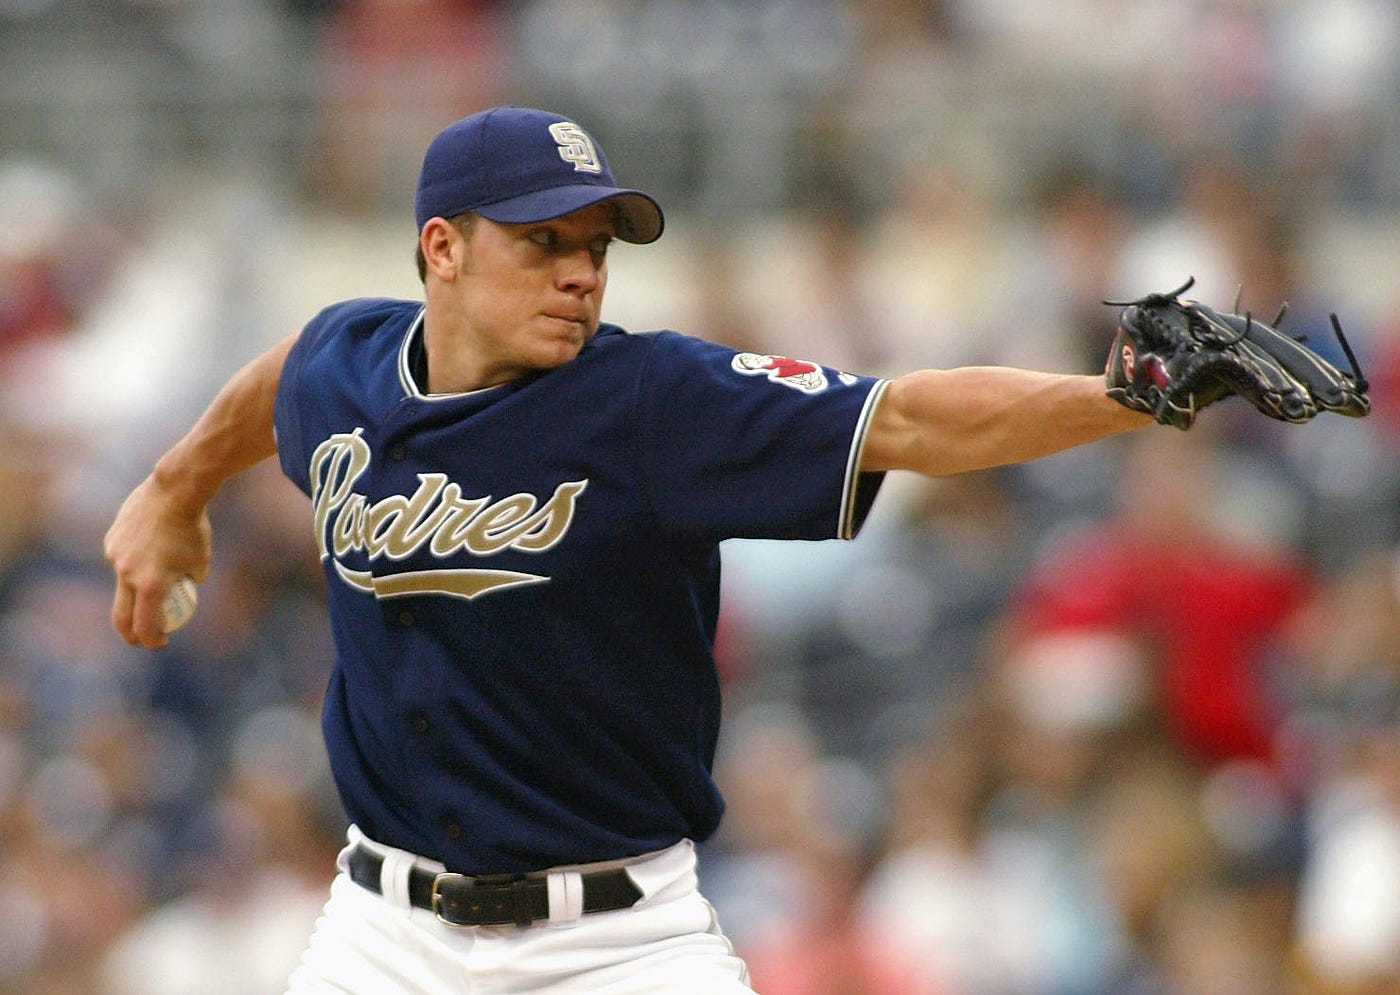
x: 524, y: 580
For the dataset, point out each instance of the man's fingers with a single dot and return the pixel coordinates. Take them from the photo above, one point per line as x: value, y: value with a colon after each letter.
x: 136, y: 615
x: 146, y: 616
x: 121, y: 613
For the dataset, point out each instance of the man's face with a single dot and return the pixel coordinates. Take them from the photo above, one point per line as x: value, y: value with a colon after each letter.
x: 530, y: 296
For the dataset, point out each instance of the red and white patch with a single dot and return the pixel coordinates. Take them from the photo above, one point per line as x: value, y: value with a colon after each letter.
x: 795, y: 373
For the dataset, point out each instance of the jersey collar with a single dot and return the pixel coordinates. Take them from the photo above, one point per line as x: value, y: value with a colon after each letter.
x: 410, y: 356
x: 413, y: 365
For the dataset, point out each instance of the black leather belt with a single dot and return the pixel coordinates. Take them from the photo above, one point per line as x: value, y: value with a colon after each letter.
x: 497, y: 899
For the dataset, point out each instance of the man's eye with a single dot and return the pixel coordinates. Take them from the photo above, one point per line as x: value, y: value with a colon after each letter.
x: 599, y: 246
x: 543, y: 236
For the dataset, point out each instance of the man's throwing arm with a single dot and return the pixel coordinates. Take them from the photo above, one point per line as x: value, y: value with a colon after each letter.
x: 161, y: 532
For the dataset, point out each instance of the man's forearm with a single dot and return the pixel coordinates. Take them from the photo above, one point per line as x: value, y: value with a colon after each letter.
x: 234, y: 433
x: 939, y: 422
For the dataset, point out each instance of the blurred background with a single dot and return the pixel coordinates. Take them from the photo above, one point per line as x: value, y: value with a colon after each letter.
x: 1125, y: 720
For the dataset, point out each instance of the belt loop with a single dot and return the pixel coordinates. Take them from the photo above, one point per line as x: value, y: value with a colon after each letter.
x: 565, y: 897
x: 393, y: 878
x: 353, y: 841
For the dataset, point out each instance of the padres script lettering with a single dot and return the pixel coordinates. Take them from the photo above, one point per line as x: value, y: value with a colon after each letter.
x: 436, y: 516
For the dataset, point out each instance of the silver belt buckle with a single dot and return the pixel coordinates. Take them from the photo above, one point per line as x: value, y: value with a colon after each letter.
x: 437, y: 894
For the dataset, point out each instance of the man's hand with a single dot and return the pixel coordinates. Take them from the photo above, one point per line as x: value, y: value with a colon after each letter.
x: 152, y: 543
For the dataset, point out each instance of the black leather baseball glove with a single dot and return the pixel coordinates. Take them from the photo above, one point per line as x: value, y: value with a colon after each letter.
x: 1172, y: 357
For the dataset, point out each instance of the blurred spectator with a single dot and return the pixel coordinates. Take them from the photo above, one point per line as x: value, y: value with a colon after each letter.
x: 935, y: 260
x: 1168, y: 569
x: 938, y: 894
x: 1348, y: 927
x: 790, y: 860
x: 58, y: 925
x: 26, y: 496
x: 1150, y: 848
x: 1345, y: 747
x: 1336, y: 78
x: 241, y: 924
x: 1061, y: 273
x: 392, y: 72
x: 825, y: 948
x: 906, y: 628
x: 751, y: 867
x: 1221, y: 937
x: 1214, y: 194
x: 808, y: 291
x: 720, y: 302
x: 54, y: 255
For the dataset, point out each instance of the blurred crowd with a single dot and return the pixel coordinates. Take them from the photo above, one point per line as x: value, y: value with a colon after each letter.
x: 1124, y: 721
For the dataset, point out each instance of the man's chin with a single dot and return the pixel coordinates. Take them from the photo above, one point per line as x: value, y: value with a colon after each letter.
x: 558, y: 354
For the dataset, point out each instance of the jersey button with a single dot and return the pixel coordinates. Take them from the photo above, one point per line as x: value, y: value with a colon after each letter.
x: 397, y: 452
x: 406, y: 619
x: 419, y: 723
x: 454, y: 831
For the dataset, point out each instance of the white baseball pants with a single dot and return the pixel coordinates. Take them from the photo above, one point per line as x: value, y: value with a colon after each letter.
x: 670, y: 941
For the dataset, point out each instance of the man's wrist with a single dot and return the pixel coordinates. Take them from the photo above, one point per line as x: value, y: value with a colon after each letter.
x: 182, y: 488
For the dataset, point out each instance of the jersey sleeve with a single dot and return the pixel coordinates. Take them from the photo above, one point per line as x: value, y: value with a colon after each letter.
x: 742, y: 445
x: 286, y: 418
x: 287, y: 411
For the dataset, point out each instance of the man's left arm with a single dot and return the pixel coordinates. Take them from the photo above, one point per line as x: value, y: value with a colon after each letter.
x: 943, y: 422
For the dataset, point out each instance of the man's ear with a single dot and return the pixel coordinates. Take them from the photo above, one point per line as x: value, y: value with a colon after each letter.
x: 443, y: 248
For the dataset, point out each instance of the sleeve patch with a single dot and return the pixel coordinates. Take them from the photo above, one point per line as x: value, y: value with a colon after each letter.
x: 795, y: 373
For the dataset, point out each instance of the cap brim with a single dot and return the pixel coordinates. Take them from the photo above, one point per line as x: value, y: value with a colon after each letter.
x: 639, y: 217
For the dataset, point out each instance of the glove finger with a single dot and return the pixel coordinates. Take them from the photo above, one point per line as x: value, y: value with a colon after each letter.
x: 1269, y: 386
x: 1253, y: 376
x: 1330, y: 388
x: 1348, y: 401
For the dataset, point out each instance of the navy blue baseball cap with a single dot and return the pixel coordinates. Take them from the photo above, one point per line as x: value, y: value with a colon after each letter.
x: 517, y: 165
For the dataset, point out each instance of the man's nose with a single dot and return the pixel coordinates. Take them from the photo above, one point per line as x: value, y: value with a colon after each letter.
x: 579, y: 272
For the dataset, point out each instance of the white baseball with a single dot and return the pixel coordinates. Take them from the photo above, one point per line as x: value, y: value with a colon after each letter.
x: 179, y: 605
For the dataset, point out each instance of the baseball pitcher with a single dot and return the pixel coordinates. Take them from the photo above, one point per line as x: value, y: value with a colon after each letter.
x: 519, y: 509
